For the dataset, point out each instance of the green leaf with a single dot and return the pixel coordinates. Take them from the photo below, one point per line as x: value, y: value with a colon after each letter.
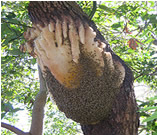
x: 11, y: 15
x: 17, y: 109
x: 131, y: 51
x: 154, y: 133
x: 153, y: 19
x: 152, y: 3
x: 34, y: 61
x: 148, y: 108
x: 152, y: 98
x: 7, y: 107
x: 4, y: 60
x: 13, y: 21
x: 15, y: 52
x: 107, y: 9
x: 152, y: 117
x: 2, y: 115
x: 116, y: 25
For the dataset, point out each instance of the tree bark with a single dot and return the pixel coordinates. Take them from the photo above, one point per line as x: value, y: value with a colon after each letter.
x: 14, y: 129
x: 121, y: 116
x: 38, y: 108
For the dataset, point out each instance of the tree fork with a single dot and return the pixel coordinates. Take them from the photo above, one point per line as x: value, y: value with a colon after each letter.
x: 121, y: 116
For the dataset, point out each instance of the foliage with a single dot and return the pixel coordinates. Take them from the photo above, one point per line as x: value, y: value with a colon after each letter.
x: 132, y: 20
x: 18, y: 82
x: 129, y: 27
x: 57, y: 123
x: 148, y: 115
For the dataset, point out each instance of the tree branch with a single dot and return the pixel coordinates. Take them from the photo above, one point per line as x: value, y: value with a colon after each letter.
x: 37, y: 114
x: 13, y: 129
x: 38, y: 109
x: 146, y: 73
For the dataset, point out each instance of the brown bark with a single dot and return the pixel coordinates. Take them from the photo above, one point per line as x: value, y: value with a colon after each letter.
x: 121, y: 116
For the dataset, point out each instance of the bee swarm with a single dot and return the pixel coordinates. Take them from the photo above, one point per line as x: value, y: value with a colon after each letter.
x: 81, y: 75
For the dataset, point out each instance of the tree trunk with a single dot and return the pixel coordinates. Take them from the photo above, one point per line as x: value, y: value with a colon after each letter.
x: 96, y: 87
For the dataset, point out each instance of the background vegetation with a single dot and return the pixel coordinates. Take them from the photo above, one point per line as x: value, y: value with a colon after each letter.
x: 129, y: 27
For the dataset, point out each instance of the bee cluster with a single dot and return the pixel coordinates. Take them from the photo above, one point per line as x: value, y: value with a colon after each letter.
x: 81, y: 75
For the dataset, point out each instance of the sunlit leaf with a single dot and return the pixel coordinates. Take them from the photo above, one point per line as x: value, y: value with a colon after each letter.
x: 148, y: 108
x: 152, y: 117
x: 15, y: 52
x: 107, y: 9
